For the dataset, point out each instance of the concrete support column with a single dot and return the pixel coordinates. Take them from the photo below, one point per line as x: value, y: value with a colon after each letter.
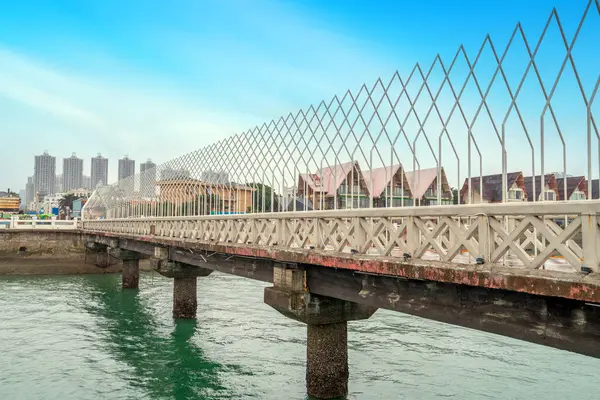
x: 185, y: 284
x: 327, y: 360
x: 184, y: 297
x: 131, y: 267
x: 131, y: 273
x: 327, y: 335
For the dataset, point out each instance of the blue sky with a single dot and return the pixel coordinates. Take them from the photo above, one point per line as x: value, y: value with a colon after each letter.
x: 155, y: 79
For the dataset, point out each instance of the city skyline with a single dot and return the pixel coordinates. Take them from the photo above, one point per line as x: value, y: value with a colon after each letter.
x: 107, y: 93
x: 47, y: 179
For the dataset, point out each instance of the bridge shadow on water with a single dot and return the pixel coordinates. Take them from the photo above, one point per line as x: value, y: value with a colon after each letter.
x: 160, y: 357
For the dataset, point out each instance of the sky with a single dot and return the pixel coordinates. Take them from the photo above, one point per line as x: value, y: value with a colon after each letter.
x: 155, y: 79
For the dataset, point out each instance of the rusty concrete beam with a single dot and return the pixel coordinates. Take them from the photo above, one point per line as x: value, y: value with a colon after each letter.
x: 261, y: 270
x: 575, y: 286
x: 175, y: 269
x: 252, y: 268
x: 560, y: 323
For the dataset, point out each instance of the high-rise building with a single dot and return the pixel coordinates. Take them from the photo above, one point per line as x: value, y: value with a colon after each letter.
x: 126, y: 170
x: 87, y: 182
x: 29, y: 192
x: 99, y: 174
x: 172, y: 174
x: 126, y: 167
x: 44, y: 174
x: 148, y: 178
x: 58, y: 184
x: 72, y: 173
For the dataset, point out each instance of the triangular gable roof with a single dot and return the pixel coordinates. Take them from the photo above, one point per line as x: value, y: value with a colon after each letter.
x: 420, y: 180
x: 573, y: 182
x: 380, y: 178
x: 528, y: 181
x: 492, y: 185
x: 329, y: 179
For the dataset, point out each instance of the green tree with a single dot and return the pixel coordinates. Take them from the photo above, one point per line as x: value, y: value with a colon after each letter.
x: 10, y: 193
x: 267, y: 192
x: 66, y: 203
x: 455, y: 195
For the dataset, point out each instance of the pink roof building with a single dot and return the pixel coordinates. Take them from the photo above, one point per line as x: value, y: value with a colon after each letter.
x: 344, y: 182
x: 388, y: 186
x: 423, y: 186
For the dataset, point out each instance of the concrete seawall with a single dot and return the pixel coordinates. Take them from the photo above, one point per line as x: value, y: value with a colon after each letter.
x: 48, y: 252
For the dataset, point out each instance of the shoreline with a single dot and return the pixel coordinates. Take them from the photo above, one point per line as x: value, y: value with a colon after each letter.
x: 13, y: 266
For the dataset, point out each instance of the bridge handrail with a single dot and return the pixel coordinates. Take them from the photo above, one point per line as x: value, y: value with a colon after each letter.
x: 555, y: 208
x: 528, y: 234
x: 34, y: 223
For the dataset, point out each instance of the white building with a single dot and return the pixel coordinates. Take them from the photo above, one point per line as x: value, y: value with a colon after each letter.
x: 53, y: 201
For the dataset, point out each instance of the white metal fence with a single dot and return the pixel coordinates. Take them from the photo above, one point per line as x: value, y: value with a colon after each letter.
x: 484, y: 122
x: 480, y: 127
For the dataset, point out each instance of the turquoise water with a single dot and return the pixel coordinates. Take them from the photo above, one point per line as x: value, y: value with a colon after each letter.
x: 82, y: 337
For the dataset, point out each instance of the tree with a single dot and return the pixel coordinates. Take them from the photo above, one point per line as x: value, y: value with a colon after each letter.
x: 10, y: 193
x: 66, y: 203
x: 257, y: 198
x: 455, y: 195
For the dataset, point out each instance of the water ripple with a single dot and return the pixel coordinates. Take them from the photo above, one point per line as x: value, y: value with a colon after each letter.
x: 82, y: 337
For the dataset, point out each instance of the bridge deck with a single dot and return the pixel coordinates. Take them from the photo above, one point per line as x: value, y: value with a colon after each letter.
x: 576, y: 286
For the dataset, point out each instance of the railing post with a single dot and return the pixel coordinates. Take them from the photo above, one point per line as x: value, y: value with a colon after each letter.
x: 412, y: 235
x: 253, y: 231
x: 590, y: 241
x: 13, y: 222
x: 53, y: 222
x: 280, y: 231
x: 360, y: 236
x: 485, y: 239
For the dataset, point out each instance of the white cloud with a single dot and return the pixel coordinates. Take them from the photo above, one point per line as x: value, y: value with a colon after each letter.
x: 89, y: 114
x: 99, y: 102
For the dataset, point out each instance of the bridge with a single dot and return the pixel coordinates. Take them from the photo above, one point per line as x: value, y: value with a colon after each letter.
x: 358, y: 203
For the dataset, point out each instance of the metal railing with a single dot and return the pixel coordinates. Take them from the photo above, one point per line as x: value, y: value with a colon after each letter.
x: 486, y: 109
x: 519, y: 235
x: 34, y: 223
